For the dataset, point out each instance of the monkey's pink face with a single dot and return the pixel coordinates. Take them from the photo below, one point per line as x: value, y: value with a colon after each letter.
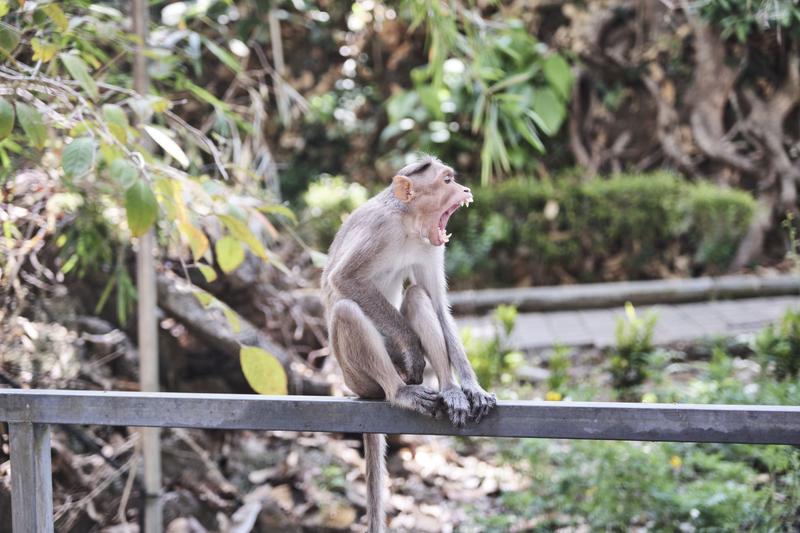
x: 433, y: 196
x: 451, y: 195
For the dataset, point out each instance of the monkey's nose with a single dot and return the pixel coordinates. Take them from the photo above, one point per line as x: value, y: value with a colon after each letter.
x: 466, y: 190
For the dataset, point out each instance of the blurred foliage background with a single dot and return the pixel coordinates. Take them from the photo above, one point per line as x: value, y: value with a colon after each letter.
x: 604, y: 140
x: 565, y: 117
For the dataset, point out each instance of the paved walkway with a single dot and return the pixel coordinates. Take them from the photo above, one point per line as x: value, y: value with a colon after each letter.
x: 676, y: 323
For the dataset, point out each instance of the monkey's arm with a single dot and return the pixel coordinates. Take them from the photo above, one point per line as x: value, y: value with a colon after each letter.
x: 350, y: 279
x: 432, y: 279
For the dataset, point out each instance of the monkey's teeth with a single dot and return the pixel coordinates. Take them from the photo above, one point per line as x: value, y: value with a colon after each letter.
x: 448, y: 236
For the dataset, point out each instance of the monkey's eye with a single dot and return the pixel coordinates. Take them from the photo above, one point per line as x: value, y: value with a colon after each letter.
x: 448, y: 179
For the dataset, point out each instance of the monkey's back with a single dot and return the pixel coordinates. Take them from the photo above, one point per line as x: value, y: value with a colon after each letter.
x: 355, y: 236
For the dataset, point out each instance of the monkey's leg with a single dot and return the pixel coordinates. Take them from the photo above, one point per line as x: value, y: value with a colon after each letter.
x: 366, y: 365
x: 418, y: 309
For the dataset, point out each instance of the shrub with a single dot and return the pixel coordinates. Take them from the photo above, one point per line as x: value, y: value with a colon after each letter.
x: 778, y: 346
x: 493, y: 360
x: 558, y: 363
x: 328, y: 201
x: 630, y: 359
x: 718, y: 218
x: 625, y: 227
x: 624, y: 486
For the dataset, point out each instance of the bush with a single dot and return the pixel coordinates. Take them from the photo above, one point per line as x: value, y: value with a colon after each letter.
x: 778, y: 346
x: 492, y: 358
x: 624, y: 486
x: 558, y: 364
x: 631, y: 357
x: 625, y: 227
x: 631, y: 486
x: 328, y: 201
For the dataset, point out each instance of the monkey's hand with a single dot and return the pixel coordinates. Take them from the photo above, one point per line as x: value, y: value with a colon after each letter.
x: 480, y: 401
x: 456, y: 404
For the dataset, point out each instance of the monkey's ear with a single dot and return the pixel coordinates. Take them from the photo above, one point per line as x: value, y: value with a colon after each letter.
x: 403, y: 188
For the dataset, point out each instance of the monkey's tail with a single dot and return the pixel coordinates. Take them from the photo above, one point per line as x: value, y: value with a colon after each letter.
x: 375, y: 455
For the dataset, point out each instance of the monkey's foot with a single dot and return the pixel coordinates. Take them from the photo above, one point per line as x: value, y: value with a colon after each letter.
x: 456, y: 404
x: 480, y: 401
x: 417, y: 398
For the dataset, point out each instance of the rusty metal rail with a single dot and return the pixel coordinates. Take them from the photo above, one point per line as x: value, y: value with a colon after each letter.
x: 30, y: 413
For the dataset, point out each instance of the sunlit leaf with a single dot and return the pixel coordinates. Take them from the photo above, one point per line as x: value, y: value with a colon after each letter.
x: 279, y: 210
x: 57, y: 16
x: 263, y: 371
x: 203, y: 297
x: 230, y: 253
x: 3, y: 8
x: 32, y: 124
x: 159, y: 104
x: 319, y: 259
x: 198, y: 242
x: 240, y: 230
x: 6, y: 118
x: 233, y: 318
x: 78, y: 156
x: 141, y: 208
x: 43, y: 51
x: 207, y: 271
x: 79, y: 72
x: 167, y: 144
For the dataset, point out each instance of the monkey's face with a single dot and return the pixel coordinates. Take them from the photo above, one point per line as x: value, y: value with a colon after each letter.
x: 433, y: 195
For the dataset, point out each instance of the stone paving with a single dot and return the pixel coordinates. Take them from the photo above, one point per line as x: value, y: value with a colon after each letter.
x: 676, y: 322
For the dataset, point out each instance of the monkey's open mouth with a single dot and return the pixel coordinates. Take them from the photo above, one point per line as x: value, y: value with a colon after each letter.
x: 443, y: 235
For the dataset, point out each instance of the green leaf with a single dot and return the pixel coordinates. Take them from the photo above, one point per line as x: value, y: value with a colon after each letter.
x: 9, y: 37
x: 228, y: 59
x: 123, y: 172
x: 79, y: 72
x: 233, y: 318
x: 203, y: 297
x: 6, y: 118
x: 230, y: 253
x: 198, y: 241
x: 279, y: 210
x: 240, y: 230
x: 549, y: 109
x: 207, y: 97
x: 32, y: 124
x: 319, y: 259
x: 559, y: 75
x: 141, y: 207
x: 78, y: 157
x: 167, y: 144
x: 207, y: 271
x: 57, y: 16
x: 117, y: 121
x: 44, y: 51
x: 263, y: 371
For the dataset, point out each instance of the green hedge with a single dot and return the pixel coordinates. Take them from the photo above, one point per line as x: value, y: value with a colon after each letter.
x: 525, y: 232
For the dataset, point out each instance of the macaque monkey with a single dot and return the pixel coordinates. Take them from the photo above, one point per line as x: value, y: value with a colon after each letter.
x: 380, y: 333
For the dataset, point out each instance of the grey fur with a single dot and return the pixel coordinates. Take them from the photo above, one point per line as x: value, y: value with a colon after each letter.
x: 380, y: 334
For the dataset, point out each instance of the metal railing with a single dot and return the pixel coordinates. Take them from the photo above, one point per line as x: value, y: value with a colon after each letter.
x: 30, y: 413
